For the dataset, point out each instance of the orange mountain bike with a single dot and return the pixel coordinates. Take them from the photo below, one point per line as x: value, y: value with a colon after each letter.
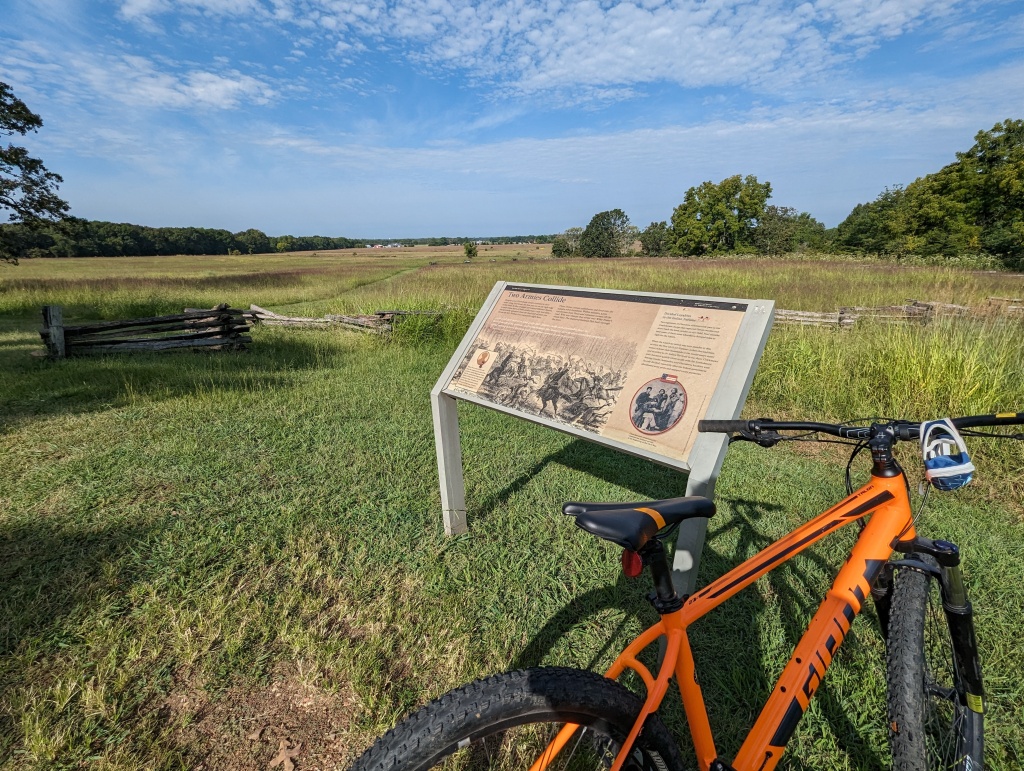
x: 556, y: 717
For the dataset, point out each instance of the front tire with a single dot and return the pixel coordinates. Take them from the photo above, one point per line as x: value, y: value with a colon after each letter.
x: 930, y: 725
x: 505, y: 721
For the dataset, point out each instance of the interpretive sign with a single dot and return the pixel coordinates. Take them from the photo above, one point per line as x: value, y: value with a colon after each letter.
x: 631, y: 370
x: 634, y: 368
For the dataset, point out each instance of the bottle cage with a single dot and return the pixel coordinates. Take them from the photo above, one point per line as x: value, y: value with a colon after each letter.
x: 946, y: 461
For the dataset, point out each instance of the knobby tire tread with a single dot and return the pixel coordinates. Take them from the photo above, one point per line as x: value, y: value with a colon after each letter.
x: 906, y: 674
x: 424, y: 738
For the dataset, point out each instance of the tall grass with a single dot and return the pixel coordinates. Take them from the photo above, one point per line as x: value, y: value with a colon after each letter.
x: 949, y: 366
x: 105, y: 287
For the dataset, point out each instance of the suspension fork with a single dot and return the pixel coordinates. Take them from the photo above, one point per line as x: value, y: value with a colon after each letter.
x: 956, y: 606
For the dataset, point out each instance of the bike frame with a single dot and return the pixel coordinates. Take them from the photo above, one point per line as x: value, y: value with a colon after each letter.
x: 885, y: 499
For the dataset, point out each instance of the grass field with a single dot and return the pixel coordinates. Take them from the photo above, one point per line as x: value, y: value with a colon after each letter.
x: 201, y: 555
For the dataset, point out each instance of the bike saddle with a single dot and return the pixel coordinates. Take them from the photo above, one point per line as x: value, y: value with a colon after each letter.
x: 631, y: 525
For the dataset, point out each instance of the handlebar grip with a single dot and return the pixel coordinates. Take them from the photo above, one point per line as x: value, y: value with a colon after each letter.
x: 999, y: 419
x: 722, y: 426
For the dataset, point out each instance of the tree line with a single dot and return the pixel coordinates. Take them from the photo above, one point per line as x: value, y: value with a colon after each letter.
x: 75, y: 237
x: 974, y: 207
x: 732, y: 216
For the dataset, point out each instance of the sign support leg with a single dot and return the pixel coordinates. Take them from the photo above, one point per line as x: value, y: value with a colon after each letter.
x: 710, y: 451
x: 449, y: 462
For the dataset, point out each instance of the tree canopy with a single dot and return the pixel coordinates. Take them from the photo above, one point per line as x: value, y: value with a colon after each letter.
x: 253, y: 241
x: 567, y: 244
x: 75, y: 237
x: 974, y: 205
x: 28, y: 192
x: 654, y: 239
x: 782, y: 229
x: 719, y: 218
x: 608, y: 234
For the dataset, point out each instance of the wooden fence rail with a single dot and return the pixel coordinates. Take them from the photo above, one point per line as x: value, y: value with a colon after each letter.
x: 911, y: 311
x: 381, y: 321
x: 220, y: 328
x: 1010, y: 305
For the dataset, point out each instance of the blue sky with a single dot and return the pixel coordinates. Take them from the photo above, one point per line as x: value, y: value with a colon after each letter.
x: 442, y: 117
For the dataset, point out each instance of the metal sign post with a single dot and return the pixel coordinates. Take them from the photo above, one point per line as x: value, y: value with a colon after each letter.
x: 634, y: 371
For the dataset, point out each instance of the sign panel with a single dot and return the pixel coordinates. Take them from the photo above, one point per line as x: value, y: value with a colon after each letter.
x: 633, y: 370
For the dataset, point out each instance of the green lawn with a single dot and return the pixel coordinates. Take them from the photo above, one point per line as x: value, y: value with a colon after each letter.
x: 196, y: 550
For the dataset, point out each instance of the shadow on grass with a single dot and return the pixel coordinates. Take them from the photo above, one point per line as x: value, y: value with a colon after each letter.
x: 53, y: 579
x: 49, y: 571
x: 644, y: 478
x: 41, y: 388
x: 719, y: 668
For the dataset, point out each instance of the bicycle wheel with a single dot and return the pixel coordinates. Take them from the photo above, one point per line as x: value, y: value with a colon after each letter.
x: 506, y: 721
x: 930, y: 726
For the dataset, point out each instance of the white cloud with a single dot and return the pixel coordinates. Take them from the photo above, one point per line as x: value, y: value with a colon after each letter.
x: 586, y: 47
x: 821, y: 157
x: 142, y: 9
x: 79, y: 76
x: 822, y: 153
x: 136, y: 9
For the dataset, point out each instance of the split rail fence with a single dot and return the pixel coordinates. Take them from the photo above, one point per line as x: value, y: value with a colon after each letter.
x: 911, y: 311
x: 226, y: 328
x: 220, y: 328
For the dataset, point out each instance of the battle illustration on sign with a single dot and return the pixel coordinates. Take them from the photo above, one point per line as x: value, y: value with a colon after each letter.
x: 578, y: 385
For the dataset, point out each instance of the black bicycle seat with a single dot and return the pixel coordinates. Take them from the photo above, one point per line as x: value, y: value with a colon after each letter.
x: 631, y: 525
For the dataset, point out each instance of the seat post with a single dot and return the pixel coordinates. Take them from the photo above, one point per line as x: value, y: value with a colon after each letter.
x: 664, y: 598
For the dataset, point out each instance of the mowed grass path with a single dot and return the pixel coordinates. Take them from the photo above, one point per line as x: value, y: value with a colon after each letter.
x: 195, y: 547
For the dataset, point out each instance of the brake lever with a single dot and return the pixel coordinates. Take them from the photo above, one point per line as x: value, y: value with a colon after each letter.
x: 769, y: 438
x: 742, y: 436
x: 760, y: 438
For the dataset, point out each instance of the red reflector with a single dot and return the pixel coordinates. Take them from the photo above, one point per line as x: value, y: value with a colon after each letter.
x: 632, y: 565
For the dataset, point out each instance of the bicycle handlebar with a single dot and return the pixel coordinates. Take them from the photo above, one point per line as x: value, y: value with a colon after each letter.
x: 903, y: 429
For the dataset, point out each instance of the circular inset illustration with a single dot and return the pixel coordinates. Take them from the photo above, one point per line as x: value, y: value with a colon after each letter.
x: 658, y: 405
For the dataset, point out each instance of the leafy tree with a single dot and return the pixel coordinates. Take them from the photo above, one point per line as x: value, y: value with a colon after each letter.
x: 572, y: 238
x: 609, y: 234
x: 654, y: 239
x: 252, y: 241
x: 470, y: 250
x: 567, y: 244
x: 560, y: 247
x: 782, y: 229
x: 869, y: 228
x: 991, y: 174
x: 719, y: 218
x: 28, y: 192
x: 810, y: 234
x: 627, y: 239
